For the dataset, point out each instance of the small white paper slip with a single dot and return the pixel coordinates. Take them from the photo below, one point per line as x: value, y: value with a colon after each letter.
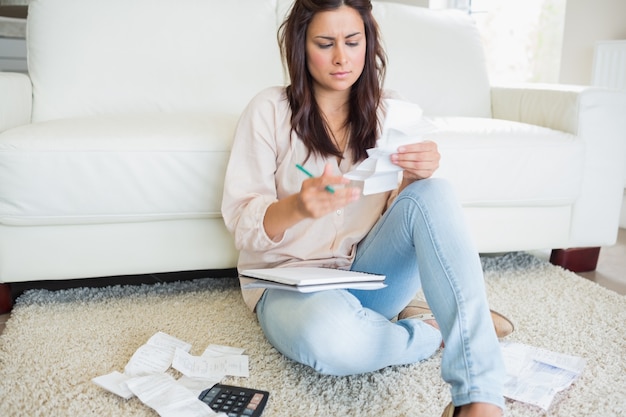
x: 197, y: 385
x: 404, y: 116
x: 114, y: 382
x: 210, y: 367
x: 403, y: 125
x: 148, y: 360
x: 375, y: 179
x: 163, y: 394
x: 221, y: 350
x: 536, y: 375
x: 165, y: 341
x: 155, y: 356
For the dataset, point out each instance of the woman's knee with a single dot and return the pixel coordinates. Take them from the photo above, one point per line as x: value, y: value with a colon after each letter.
x: 436, y: 187
x: 432, y: 194
x: 329, y: 352
x: 322, y: 334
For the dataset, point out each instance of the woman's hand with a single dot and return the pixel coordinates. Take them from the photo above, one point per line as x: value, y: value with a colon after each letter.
x: 418, y: 160
x: 313, y: 201
x: 316, y: 198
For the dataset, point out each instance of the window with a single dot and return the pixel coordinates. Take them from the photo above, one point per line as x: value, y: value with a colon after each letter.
x: 522, y: 39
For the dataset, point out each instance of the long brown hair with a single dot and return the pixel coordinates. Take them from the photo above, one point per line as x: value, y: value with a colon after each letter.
x: 365, y: 95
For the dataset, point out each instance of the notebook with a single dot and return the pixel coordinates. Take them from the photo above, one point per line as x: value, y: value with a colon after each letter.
x: 309, y: 279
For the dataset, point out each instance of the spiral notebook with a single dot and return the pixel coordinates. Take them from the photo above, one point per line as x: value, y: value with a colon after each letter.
x: 309, y: 279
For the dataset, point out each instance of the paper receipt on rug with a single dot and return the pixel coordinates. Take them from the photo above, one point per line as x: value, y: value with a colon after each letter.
x: 145, y: 375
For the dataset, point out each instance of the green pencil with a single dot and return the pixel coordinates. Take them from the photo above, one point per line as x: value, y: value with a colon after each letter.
x: 301, y: 168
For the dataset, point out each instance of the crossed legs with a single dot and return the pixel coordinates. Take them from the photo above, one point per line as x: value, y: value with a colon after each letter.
x: 420, y: 242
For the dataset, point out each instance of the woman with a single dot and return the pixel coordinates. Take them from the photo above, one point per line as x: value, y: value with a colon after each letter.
x: 325, y: 120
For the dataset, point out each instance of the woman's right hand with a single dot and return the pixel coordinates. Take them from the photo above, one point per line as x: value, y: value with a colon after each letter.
x: 313, y: 201
x: 316, y: 199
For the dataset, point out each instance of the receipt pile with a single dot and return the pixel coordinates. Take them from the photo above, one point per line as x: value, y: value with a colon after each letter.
x: 145, y: 375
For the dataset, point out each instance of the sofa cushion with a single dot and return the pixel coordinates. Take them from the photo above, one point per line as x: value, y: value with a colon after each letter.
x: 511, y: 164
x: 435, y: 59
x: 89, y: 57
x: 155, y: 167
x: 114, y: 169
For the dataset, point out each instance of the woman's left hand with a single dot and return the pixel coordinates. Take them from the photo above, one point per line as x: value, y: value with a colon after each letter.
x: 418, y: 160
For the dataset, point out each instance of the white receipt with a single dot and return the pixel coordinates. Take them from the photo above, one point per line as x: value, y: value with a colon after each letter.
x: 210, y: 367
x: 165, y: 341
x: 145, y: 375
x: 114, y: 382
x: 199, y: 384
x: 162, y: 393
x: 535, y: 375
x: 221, y: 350
x: 155, y: 356
x: 403, y: 125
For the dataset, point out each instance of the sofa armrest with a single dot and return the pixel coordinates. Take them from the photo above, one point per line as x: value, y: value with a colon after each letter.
x: 16, y: 100
x: 596, y: 116
x: 553, y: 106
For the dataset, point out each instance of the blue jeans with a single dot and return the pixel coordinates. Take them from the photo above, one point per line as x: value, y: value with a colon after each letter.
x: 420, y: 242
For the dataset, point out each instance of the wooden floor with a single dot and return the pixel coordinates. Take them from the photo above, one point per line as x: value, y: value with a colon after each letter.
x: 611, y: 270
x: 610, y: 273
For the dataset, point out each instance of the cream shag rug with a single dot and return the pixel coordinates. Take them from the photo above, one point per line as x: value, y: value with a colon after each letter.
x: 56, y: 342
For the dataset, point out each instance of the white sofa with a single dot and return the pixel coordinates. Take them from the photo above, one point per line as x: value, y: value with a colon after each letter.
x: 609, y: 71
x: 113, y: 149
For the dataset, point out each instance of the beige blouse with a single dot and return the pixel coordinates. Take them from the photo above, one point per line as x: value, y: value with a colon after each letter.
x: 261, y: 170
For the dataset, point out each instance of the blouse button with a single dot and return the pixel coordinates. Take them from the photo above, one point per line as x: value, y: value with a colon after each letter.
x: 338, y: 212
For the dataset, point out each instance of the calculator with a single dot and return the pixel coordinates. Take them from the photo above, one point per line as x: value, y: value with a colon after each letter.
x: 235, y: 401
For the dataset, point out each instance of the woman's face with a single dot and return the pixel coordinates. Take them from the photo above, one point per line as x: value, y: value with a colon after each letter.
x: 335, y: 49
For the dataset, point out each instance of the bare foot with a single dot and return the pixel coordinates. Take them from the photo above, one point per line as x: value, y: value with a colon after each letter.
x: 479, y: 410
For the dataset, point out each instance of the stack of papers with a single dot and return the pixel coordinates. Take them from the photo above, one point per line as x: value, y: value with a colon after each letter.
x: 309, y: 279
x: 535, y: 375
x: 145, y: 375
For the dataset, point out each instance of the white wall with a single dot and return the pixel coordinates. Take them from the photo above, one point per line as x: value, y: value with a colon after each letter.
x: 586, y: 22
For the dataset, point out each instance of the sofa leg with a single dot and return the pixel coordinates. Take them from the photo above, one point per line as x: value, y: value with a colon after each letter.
x: 576, y: 259
x: 6, y: 300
